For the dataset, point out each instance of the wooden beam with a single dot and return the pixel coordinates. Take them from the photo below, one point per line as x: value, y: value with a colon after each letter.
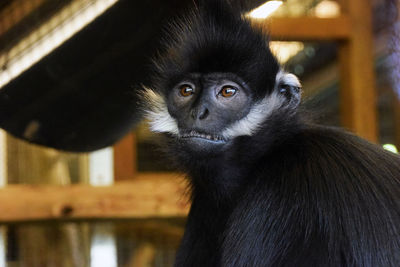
x: 125, y: 158
x: 3, y: 158
x: 150, y: 195
x: 305, y: 28
x: 357, y: 92
x: 152, y: 226
x: 15, y: 12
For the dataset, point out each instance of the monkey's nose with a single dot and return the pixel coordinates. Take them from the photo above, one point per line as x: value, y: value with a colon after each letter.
x: 203, y: 114
x: 200, y: 113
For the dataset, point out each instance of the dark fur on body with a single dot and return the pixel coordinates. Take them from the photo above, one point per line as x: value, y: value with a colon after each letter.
x: 317, y: 197
x: 291, y: 194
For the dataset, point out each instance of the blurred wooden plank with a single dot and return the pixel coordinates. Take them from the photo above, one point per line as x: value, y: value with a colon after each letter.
x: 357, y: 92
x: 15, y: 12
x: 306, y: 28
x: 125, y: 158
x: 149, y: 227
x: 144, y: 255
x: 3, y: 158
x: 151, y: 195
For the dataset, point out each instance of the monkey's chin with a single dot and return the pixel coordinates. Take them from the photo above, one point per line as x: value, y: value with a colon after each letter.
x: 204, y: 146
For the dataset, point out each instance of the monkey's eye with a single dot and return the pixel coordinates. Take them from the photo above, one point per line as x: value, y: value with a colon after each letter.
x: 228, y: 91
x: 186, y: 90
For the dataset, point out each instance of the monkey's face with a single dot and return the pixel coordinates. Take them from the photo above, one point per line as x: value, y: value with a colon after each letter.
x: 204, y: 106
x: 205, y: 113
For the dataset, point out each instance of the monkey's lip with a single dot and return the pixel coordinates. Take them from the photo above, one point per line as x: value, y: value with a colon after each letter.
x: 204, y: 136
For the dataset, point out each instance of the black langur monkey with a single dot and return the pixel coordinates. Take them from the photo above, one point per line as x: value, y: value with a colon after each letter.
x: 268, y: 187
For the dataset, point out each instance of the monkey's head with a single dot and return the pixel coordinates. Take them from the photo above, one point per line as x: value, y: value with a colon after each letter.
x: 216, y: 81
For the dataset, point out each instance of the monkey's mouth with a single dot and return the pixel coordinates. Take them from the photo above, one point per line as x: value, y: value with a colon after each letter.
x: 203, y: 136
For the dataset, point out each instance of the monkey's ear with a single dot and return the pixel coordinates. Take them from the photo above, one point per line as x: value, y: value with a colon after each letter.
x: 288, y: 84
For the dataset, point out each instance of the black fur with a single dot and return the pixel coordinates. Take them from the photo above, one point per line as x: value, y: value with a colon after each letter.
x: 293, y: 193
x: 214, y: 38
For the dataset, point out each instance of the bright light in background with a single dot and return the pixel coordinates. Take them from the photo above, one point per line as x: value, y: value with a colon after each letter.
x: 265, y: 10
x: 391, y: 148
x: 103, y: 249
x: 327, y: 9
x: 62, y: 26
x: 101, y: 167
x: 285, y: 50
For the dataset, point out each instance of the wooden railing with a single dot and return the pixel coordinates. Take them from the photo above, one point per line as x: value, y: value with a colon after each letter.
x: 147, y: 196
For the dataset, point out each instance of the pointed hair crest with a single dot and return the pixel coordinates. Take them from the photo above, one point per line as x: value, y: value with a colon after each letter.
x: 216, y: 38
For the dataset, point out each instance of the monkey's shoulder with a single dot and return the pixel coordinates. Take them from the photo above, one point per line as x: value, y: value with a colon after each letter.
x: 322, y: 159
x: 330, y: 147
x: 332, y: 191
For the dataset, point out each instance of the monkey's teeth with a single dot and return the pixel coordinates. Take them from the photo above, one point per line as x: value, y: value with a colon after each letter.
x: 201, y: 135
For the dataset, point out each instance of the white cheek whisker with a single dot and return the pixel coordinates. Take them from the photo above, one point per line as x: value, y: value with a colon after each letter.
x: 257, y: 115
x: 262, y: 110
x: 159, y: 118
x: 161, y: 121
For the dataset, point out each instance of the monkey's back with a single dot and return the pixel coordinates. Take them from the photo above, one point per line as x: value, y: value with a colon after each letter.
x: 323, y: 197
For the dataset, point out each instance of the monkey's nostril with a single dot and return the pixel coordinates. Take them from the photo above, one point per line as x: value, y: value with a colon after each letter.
x: 203, y: 114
